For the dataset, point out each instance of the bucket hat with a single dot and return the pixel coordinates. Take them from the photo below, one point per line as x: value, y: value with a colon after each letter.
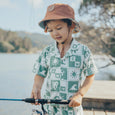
x: 60, y: 11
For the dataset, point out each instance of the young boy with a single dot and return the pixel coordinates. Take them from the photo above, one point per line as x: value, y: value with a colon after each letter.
x: 63, y: 63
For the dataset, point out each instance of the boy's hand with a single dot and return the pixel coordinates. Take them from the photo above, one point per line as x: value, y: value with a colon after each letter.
x: 36, y: 94
x: 76, y: 100
x: 36, y: 91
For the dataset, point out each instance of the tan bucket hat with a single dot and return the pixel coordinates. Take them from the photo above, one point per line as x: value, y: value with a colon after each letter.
x: 60, y: 11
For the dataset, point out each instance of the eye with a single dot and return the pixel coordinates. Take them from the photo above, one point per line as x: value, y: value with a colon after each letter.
x: 49, y: 30
x: 59, y: 28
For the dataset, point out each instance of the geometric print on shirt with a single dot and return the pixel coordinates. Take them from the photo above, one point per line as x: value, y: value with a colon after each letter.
x: 64, y: 75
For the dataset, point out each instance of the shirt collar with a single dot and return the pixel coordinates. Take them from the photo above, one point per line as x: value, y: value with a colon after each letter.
x: 72, y: 50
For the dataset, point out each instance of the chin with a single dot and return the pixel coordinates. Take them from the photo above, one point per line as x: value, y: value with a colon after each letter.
x: 60, y: 42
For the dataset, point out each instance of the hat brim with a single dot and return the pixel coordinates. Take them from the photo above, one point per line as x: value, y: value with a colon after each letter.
x: 76, y: 29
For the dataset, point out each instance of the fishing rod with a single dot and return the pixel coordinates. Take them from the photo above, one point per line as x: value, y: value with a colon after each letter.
x: 41, y: 101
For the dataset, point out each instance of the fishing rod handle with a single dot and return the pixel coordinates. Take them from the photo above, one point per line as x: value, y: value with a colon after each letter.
x: 29, y: 100
x: 46, y: 101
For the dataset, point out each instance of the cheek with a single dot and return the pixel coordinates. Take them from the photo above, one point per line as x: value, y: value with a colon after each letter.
x: 51, y: 34
x: 64, y: 32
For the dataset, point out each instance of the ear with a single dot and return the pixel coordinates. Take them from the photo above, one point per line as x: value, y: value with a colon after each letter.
x: 45, y: 30
x: 72, y: 26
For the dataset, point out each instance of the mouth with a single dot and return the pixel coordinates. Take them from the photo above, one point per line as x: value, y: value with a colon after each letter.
x: 59, y: 37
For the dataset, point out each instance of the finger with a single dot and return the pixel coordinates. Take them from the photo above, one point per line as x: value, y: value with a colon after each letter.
x: 32, y: 96
x: 71, y: 103
x: 35, y: 97
x: 39, y: 96
x: 76, y: 103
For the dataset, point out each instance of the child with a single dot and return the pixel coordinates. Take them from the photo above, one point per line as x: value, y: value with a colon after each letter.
x: 63, y: 63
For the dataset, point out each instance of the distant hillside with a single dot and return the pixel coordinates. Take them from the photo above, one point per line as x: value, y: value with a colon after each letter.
x: 97, y: 39
x: 11, y: 42
x: 38, y: 40
x: 22, y: 42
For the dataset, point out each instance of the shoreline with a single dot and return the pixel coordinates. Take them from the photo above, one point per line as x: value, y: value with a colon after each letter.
x: 23, y: 53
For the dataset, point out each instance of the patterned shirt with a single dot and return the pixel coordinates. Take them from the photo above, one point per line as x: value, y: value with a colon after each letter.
x: 64, y: 75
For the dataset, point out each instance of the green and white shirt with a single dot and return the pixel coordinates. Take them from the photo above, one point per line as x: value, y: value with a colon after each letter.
x: 64, y: 75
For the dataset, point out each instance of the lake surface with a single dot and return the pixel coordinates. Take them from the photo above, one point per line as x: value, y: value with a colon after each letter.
x: 16, y: 81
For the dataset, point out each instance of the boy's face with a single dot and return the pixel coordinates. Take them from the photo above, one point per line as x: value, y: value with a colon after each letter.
x: 59, y: 30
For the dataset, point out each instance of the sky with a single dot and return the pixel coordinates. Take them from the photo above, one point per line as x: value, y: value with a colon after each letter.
x: 24, y: 15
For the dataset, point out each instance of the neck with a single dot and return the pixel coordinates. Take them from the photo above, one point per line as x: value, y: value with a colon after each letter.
x: 66, y: 43
x: 64, y: 47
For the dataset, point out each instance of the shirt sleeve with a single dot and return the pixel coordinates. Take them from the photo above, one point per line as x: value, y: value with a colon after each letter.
x: 89, y: 67
x: 42, y: 67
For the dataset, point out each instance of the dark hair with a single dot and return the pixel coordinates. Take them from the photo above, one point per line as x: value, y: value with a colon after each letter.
x: 68, y: 21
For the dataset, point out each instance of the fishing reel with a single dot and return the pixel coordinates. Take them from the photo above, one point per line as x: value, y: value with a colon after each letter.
x: 36, y: 112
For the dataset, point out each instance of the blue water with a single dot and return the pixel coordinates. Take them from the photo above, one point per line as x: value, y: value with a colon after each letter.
x: 16, y: 81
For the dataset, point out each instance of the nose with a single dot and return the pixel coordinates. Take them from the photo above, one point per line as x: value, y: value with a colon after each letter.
x: 55, y: 33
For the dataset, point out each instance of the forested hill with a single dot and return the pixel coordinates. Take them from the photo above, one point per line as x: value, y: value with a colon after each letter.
x: 22, y: 42
x: 99, y: 40
x: 11, y: 42
x: 38, y: 40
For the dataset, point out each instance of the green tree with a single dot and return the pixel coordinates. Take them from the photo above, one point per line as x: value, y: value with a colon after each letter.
x: 2, y: 48
x: 27, y: 44
x: 101, y: 13
x: 11, y: 42
x: 6, y: 47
